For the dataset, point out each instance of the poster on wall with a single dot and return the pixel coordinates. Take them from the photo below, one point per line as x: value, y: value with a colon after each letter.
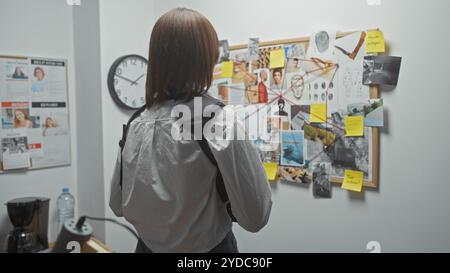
x: 34, y: 114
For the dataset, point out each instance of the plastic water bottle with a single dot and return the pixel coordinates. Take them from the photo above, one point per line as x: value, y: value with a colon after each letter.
x: 66, y: 207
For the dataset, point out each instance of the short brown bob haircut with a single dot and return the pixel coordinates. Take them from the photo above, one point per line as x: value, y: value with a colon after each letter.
x: 183, y: 51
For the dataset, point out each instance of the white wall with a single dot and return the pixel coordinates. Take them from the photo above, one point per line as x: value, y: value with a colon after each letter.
x: 86, y: 26
x: 125, y: 28
x: 409, y: 212
x: 39, y: 28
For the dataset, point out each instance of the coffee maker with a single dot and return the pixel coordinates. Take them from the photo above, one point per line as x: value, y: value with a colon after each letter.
x: 29, y: 216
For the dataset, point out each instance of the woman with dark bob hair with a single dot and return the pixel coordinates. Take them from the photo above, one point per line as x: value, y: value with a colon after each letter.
x: 167, y: 188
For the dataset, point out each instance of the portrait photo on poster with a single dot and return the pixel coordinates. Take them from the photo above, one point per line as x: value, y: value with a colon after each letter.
x: 18, y: 71
x: 16, y: 115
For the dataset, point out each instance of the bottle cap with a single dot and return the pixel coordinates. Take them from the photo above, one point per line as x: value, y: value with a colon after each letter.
x: 65, y: 190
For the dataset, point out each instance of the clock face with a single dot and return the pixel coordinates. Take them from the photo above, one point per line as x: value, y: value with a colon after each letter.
x: 126, y: 81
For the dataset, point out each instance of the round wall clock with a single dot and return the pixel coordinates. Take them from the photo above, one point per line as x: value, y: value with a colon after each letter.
x: 126, y: 81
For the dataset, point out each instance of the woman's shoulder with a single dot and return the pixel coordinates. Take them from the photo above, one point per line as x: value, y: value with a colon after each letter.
x: 210, y: 100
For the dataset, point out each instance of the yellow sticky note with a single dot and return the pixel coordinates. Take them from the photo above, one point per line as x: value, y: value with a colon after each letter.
x: 375, y: 42
x: 318, y: 113
x: 354, y: 126
x: 271, y: 170
x: 277, y: 58
x: 353, y: 180
x: 227, y: 69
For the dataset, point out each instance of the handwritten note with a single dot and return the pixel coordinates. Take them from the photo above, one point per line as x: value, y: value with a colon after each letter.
x: 271, y: 170
x: 353, y: 180
x: 375, y: 42
x: 354, y: 126
x: 227, y: 69
x: 277, y: 58
x: 318, y: 113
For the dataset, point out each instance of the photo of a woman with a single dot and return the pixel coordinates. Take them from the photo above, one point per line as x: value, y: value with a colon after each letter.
x: 177, y: 177
x: 52, y: 128
x: 39, y: 84
x: 19, y: 74
x: 50, y: 123
x: 21, y: 119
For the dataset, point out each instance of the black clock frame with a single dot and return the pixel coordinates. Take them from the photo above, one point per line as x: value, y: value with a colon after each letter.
x: 112, y: 74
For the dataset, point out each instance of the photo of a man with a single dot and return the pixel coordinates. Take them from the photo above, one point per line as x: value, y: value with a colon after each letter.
x: 277, y: 79
x: 281, y: 105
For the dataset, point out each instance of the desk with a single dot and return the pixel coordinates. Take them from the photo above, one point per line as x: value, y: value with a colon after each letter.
x: 95, y: 246
x: 92, y: 246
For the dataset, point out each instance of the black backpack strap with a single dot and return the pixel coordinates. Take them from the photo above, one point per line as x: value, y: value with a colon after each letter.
x: 124, y: 137
x: 203, y: 143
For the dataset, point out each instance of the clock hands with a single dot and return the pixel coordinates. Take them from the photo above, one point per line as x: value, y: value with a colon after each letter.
x: 132, y: 82
x: 126, y: 79
x: 135, y: 82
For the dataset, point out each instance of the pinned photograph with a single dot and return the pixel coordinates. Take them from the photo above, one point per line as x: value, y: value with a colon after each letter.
x: 39, y: 80
x: 299, y: 116
x: 16, y: 115
x: 253, y: 49
x: 15, y: 153
x: 251, y: 94
x: 241, y: 69
x: 277, y: 76
x: 292, y: 148
x: 18, y: 72
x: 372, y: 111
x: 295, y: 54
x: 224, y: 51
x: 296, y: 175
x: 321, y: 179
x: 381, y: 70
x: 293, y: 65
x: 263, y: 84
x: 295, y: 51
x: 268, y: 143
x: 322, y: 44
x: 281, y: 109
